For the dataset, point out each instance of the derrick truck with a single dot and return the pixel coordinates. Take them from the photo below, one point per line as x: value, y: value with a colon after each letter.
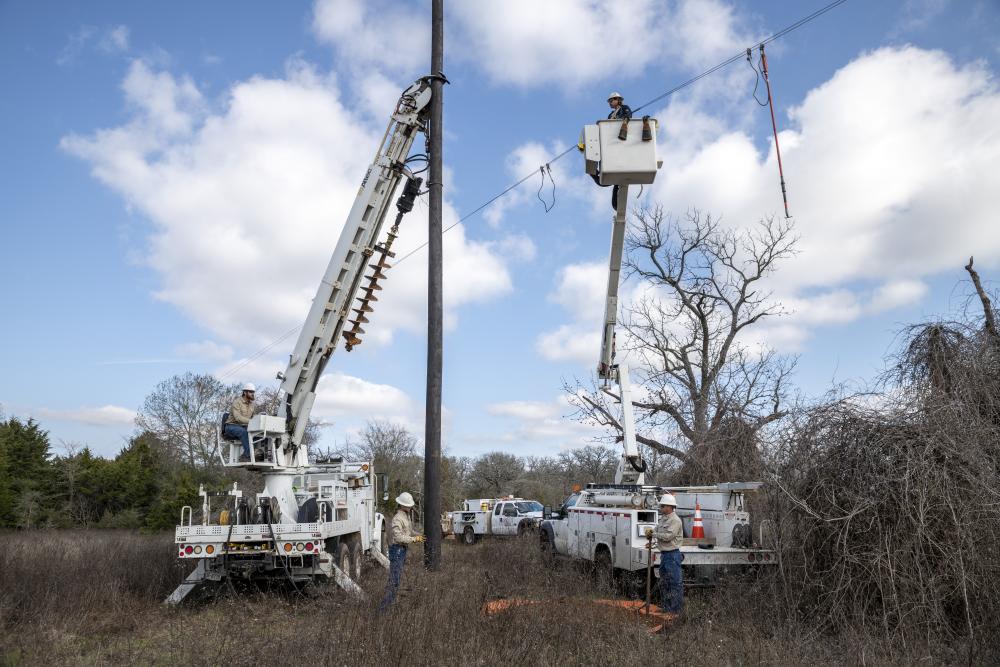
x: 606, y: 524
x: 313, y: 521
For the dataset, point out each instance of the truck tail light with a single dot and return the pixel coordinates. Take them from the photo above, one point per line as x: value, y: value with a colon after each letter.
x: 288, y: 547
x: 300, y: 547
x: 197, y: 550
x: 189, y: 550
x: 309, y: 546
x: 210, y: 550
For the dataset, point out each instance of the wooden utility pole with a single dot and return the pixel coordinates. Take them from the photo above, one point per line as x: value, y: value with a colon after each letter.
x: 435, y: 343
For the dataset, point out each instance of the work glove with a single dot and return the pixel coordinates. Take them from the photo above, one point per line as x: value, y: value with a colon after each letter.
x: 419, y: 538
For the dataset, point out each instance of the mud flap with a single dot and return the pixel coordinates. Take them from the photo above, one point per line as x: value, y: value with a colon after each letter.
x: 200, y: 575
x: 346, y: 583
x: 379, y: 557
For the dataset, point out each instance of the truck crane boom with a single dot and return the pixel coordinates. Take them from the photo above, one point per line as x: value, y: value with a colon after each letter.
x: 358, y: 246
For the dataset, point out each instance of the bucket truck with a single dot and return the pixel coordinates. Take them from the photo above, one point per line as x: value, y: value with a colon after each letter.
x: 313, y: 521
x: 606, y: 524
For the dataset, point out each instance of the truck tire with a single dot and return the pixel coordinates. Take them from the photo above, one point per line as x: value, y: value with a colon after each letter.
x: 604, y: 571
x: 344, y: 558
x: 357, y: 560
x: 548, y: 549
x: 469, y: 536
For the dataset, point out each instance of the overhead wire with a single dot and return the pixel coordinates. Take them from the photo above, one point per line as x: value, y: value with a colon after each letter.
x: 742, y: 54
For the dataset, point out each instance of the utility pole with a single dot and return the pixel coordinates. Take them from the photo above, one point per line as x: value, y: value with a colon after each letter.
x: 435, y: 343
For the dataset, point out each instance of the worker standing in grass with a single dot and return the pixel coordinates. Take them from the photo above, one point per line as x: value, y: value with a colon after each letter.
x: 669, y: 532
x: 401, y: 535
x: 240, y: 414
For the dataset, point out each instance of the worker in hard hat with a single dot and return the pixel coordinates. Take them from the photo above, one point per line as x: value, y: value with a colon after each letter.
x: 240, y: 412
x: 669, y: 532
x: 619, y: 110
x: 401, y: 536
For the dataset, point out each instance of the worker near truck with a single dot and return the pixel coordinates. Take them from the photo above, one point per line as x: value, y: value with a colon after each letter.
x: 240, y: 413
x: 401, y: 535
x: 669, y: 532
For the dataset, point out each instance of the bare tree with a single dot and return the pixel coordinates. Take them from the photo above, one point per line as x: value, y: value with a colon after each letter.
x: 392, y: 450
x: 495, y: 472
x: 685, y: 337
x: 184, y: 412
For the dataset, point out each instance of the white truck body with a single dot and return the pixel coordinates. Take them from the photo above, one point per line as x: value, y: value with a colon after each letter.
x: 504, y: 517
x: 333, y: 527
x: 608, y: 523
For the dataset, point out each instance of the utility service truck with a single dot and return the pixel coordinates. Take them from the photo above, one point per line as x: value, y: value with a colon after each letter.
x: 606, y: 524
x: 494, y: 517
x: 313, y: 521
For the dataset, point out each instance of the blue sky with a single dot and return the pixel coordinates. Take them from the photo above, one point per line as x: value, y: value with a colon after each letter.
x: 174, y: 177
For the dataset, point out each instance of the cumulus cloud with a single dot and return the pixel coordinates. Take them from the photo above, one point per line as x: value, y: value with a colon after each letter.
x: 246, y: 202
x: 107, y: 415
x: 518, y: 41
x: 887, y: 185
x: 340, y: 395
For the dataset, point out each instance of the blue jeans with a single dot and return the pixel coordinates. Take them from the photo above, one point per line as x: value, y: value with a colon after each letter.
x: 397, y: 558
x: 671, y: 581
x: 239, y: 431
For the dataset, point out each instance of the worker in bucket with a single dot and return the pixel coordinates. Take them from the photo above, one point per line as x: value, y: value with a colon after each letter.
x: 619, y: 110
x: 669, y: 532
x: 401, y: 535
x: 240, y: 413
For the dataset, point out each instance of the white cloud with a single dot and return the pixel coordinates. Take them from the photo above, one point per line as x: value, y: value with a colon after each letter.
x: 110, y: 40
x: 107, y: 415
x: 392, y: 36
x: 573, y: 42
x: 246, y: 203
x: 340, y: 395
x: 540, y: 421
x: 114, y: 39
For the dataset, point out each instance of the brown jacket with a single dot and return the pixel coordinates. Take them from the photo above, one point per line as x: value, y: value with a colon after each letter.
x: 241, y: 411
x: 669, y: 532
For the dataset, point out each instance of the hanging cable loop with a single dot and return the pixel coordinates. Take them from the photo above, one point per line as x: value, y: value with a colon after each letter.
x: 756, y: 82
x: 543, y: 170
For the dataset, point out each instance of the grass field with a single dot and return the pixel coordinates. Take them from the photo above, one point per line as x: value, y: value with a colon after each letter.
x: 94, y: 598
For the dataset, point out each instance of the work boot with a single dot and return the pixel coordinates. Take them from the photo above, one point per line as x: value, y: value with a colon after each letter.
x: 244, y: 458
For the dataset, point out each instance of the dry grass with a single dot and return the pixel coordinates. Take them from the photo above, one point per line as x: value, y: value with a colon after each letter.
x: 94, y: 598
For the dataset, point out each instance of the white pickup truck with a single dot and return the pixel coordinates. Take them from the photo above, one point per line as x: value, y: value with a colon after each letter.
x: 507, y: 516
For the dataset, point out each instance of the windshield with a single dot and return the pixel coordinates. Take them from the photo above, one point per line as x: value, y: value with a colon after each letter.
x: 571, y: 501
x: 530, y: 506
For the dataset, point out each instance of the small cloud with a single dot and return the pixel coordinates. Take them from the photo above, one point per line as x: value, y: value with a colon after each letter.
x: 206, y: 350
x: 107, y: 415
x: 114, y: 40
x: 110, y: 40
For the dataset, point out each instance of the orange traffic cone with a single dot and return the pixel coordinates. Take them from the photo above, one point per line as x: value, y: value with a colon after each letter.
x: 697, y: 527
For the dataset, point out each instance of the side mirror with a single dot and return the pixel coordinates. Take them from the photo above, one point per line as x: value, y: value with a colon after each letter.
x: 546, y: 512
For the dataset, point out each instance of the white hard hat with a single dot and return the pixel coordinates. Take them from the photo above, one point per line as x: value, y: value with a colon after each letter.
x: 249, y: 387
x: 405, y: 499
x: 667, y: 499
x: 614, y: 95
